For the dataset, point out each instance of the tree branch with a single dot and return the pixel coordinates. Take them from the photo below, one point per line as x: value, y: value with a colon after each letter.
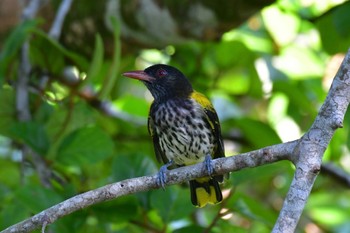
x: 130, y: 186
x: 308, y: 153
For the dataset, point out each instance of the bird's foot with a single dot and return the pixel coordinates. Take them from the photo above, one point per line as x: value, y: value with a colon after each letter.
x: 208, y: 164
x: 161, y: 176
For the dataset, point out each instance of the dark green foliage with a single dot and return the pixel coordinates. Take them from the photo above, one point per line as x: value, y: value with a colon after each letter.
x: 266, y: 78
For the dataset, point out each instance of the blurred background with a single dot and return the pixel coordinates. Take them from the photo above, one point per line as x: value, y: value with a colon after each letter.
x: 69, y: 122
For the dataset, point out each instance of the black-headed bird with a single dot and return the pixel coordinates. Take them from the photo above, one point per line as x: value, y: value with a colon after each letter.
x: 185, y: 128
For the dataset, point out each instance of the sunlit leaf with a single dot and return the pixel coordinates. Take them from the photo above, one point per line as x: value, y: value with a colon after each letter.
x: 235, y: 81
x: 330, y: 208
x: 283, y: 26
x: 239, y: 55
x: 133, y: 105
x: 300, y: 63
x: 334, y: 30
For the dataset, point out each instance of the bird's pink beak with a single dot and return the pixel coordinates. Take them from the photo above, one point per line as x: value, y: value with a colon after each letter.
x: 140, y: 75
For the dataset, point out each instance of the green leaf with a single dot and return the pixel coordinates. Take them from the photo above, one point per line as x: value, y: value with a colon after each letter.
x: 255, y: 209
x: 239, y: 54
x: 275, y: 21
x: 190, y: 229
x: 297, y: 96
x: 109, y: 82
x: 7, y: 111
x: 178, y: 203
x: 37, y: 198
x: 97, y: 61
x: 138, y: 165
x: 235, y: 81
x: 12, y: 212
x: 9, y: 169
x: 117, y: 211
x: 85, y: 146
x: 258, y: 133
x: 53, y: 45
x: 330, y: 208
x: 334, y: 29
x: 69, y: 119
x: 300, y: 63
x: 44, y: 54
x: 13, y: 44
x: 255, y: 39
x: 65, y: 121
x: 33, y: 134
x: 133, y: 105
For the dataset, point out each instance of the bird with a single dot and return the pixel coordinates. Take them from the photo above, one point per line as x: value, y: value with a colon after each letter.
x: 185, y: 129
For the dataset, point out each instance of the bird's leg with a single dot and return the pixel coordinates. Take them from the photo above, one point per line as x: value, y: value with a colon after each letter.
x: 208, y: 164
x: 161, y: 176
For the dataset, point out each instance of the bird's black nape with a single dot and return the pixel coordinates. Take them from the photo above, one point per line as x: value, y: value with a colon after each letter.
x: 168, y: 82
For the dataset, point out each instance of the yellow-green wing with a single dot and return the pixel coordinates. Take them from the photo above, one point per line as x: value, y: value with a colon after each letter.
x: 213, y: 121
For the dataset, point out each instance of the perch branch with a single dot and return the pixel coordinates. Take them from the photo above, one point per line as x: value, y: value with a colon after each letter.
x: 309, y: 152
x: 130, y: 186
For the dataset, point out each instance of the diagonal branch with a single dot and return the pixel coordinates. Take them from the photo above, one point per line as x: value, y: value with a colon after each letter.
x: 130, y: 186
x: 309, y: 152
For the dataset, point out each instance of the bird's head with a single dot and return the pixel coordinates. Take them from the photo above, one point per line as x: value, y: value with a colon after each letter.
x: 163, y: 81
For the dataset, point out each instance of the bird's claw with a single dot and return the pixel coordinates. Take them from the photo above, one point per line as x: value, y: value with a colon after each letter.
x: 161, y: 176
x: 208, y: 165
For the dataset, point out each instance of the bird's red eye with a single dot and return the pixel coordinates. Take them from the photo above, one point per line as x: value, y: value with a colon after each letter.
x: 161, y: 73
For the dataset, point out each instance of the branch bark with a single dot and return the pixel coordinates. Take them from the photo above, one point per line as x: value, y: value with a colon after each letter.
x: 140, y: 184
x: 306, y: 153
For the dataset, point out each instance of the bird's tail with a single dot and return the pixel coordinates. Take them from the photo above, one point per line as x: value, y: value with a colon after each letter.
x: 204, y: 191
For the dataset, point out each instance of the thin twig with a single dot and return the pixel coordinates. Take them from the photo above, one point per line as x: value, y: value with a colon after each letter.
x: 56, y: 27
x: 30, y: 11
x: 336, y: 172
